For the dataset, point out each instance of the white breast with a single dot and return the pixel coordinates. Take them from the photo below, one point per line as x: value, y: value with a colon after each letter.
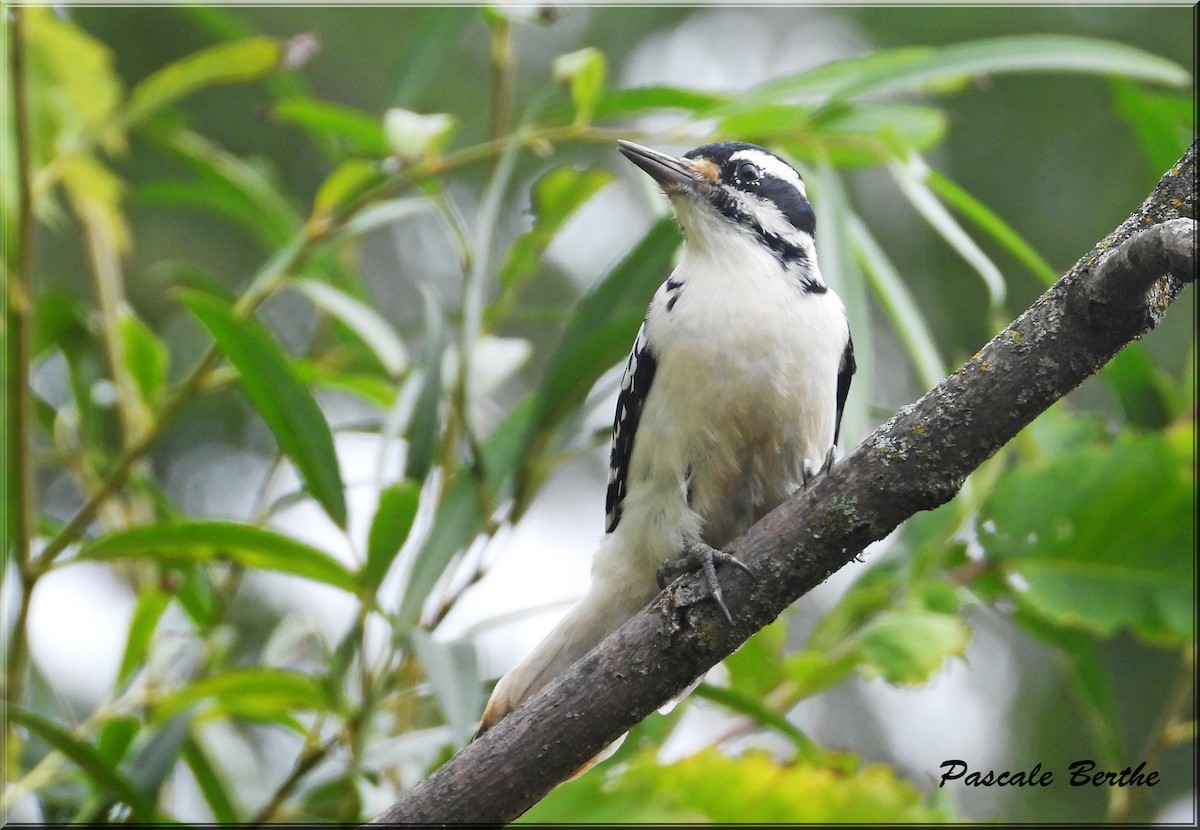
x: 745, y: 391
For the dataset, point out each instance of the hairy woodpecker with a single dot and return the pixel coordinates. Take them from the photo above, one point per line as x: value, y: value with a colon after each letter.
x: 732, y: 396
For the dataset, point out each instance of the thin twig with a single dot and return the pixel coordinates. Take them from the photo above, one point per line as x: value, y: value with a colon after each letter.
x: 18, y: 444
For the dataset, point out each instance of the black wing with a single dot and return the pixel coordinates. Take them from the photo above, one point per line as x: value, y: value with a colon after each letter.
x: 635, y: 385
x: 845, y: 372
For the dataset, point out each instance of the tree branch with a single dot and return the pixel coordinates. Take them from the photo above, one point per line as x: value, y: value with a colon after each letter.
x: 916, y: 461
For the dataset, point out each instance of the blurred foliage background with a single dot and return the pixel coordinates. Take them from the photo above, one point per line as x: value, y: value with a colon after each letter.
x: 324, y: 312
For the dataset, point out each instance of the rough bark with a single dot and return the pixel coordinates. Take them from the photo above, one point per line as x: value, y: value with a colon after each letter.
x: 916, y: 461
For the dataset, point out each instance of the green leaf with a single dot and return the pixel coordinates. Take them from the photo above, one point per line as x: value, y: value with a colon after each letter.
x: 906, y: 645
x: 423, y: 427
x: 737, y: 700
x: 453, y: 672
x: 1079, y: 659
x: 1147, y: 394
x: 1113, y: 547
x: 898, y: 303
x: 698, y: 787
x: 146, y: 357
x: 253, y: 693
x: 209, y: 541
x: 155, y: 758
x: 85, y: 84
x: 348, y: 181
x: 225, y: 185
x: 556, y: 196
x: 211, y: 781
x: 757, y: 666
x: 96, y: 197
x: 597, y: 335
x: 94, y: 765
x: 285, y: 405
x: 393, y: 520
x: 151, y: 604
x: 361, y: 133
x: 583, y: 72
x: 116, y: 737
x: 361, y: 319
x: 425, y: 58
x: 917, y: 69
x: 1162, y: 121
x: 372, y: 388
x: 226, y: 63
x: 911, y: 174
x: 990, y: 223
x: 617, y: 102
x: 459, y: 518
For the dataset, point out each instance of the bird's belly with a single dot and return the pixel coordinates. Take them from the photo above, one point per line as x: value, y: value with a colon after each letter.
x: 741, y: 421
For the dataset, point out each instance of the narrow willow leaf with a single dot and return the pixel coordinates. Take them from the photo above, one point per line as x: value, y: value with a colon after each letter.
x: 225, y: 184
x: 910, y: 176
x: 453, y: 672
x: 213, y: 786
x: 583, y: 72
x: 285, y: 405
x: 459, y: 518
x: 372, y: 388
x: 154, y: 759
x: 556, y: 196
x: 151, y: 604
x: 893, y: 295
x: 90, y: 762
x: 990, y: 223
x: 424, y: 59
x: 363, y: 320
x: 423, y: 426
x: 601, y: 329
x: 115, y: 738
x: 360, y: 132
x: 394, y: 516
x: 226, y: 63
x: 146, y: 357
x: 348, y: 181
x: 752, y: 707
x: 617, y: 102
x: 255, y: 693
x: 208, y: 541
x: 1162, y: 121
x: 86, y: 87
x: 916, y: 69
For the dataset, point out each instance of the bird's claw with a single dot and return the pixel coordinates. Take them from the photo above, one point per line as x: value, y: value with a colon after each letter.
x: 808, y: 471
x: 696, y: 557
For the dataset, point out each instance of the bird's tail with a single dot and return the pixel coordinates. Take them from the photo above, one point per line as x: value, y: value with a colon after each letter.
x: 592, y: 619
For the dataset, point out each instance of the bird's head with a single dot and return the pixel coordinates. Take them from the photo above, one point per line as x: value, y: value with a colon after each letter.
x: 730, y: 191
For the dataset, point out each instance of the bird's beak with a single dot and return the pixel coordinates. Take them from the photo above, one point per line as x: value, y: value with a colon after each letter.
x: 673, y: 175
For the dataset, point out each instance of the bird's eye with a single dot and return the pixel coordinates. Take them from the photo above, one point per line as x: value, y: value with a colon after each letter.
x: 747, y: 173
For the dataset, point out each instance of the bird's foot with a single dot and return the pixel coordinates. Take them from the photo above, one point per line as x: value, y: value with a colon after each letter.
x: 809, y: 472
x: 696, y: 557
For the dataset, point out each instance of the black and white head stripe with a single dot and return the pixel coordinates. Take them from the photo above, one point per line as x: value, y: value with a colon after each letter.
x: 763, y: 194
x: 635, y: 385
